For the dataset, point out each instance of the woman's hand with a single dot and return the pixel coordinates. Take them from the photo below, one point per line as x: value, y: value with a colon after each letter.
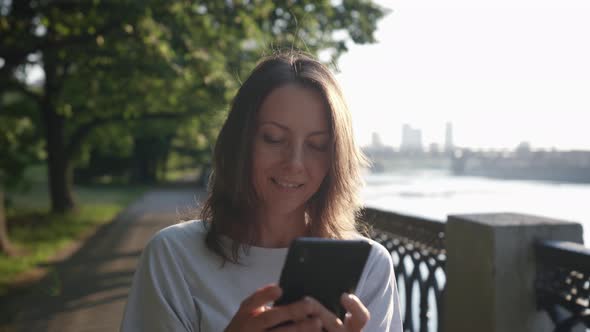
x: 357, y: 314
x: 255, y: 315
x: 305, y: 315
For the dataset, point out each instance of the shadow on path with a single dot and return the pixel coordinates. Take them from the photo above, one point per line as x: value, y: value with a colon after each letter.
x: 88, y: 291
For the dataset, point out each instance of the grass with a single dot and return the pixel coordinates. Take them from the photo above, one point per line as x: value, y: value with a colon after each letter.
x: 40, y: 235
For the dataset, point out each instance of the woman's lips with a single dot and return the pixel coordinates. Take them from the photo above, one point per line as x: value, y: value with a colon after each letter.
x: 286, y: 184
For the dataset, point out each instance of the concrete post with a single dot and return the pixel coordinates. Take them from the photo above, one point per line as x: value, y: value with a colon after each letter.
x: 491, y: 270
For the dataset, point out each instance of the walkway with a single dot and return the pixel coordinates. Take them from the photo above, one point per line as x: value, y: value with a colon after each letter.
x: 88, y: 291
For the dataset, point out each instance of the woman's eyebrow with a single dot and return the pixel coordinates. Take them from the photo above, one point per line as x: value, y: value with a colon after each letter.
x: 314, y: 133
x: 320, y: 132
x: 275, y: 123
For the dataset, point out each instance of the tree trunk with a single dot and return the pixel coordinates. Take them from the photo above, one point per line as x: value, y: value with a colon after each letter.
x: 145, y: 162
x: 58, y: 163
x: 5, y: 245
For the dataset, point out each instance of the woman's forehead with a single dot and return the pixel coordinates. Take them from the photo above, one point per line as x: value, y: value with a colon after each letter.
x: 295, y: 106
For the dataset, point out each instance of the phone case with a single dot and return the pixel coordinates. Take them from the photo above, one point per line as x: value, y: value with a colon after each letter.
x: 323, y: 269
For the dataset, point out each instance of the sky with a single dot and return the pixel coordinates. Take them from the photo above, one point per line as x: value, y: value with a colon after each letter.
x: 501, y: 71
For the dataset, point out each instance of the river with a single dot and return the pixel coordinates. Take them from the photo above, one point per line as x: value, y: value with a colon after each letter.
x: 435, y: 194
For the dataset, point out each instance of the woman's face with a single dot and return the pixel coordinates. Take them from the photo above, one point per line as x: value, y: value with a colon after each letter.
x: 292, y: 148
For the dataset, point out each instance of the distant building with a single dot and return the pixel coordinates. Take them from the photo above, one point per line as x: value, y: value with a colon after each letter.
x: 524, y: 163
x: 449, y: 145
x: 411, y: 139
x: 376, y: 141
x: 433, y: 149
x: 523, y: 149
x: 378, y: 153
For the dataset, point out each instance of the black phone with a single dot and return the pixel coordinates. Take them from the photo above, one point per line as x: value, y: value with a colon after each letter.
x: 323, y: 269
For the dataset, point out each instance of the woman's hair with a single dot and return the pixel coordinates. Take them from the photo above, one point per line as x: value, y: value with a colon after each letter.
x: 332, y: 210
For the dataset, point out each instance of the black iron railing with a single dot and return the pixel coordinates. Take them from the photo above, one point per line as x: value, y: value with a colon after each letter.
x: 563, y: 283
x: 418, y: 250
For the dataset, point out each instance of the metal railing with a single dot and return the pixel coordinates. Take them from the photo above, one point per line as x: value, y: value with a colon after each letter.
x: 562, y: 283
x: 418, y: 250
x: 417, y: 246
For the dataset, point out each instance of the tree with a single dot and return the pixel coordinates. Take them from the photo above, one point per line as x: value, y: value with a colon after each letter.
x: 19, y: 146
x: 127, y: 61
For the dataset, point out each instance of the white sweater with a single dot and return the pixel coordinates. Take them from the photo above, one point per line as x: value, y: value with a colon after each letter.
x: 180, y: 285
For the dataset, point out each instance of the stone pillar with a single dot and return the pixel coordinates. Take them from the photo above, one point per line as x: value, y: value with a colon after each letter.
x: 491, y: 271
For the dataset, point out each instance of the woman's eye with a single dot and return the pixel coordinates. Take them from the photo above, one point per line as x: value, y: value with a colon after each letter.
x: 270, y: 139
x: 319, y: 147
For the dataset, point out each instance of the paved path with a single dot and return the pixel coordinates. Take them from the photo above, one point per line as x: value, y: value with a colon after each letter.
x: 88, y: 291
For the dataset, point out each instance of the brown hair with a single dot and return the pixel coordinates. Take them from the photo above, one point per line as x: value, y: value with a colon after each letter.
x: 332, y: 209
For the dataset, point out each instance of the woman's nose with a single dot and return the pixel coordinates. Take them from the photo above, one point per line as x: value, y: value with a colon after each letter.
x: 295, y: 158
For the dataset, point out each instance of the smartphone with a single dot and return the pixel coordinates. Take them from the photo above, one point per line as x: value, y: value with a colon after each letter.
x: 323, y: 269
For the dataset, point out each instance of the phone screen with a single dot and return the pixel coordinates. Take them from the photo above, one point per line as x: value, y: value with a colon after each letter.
x: 323, y: 269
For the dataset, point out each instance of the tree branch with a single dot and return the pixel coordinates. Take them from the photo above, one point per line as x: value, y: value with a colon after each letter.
x: 20, y: 87
x: 10, y: 53
x: 76, y: 139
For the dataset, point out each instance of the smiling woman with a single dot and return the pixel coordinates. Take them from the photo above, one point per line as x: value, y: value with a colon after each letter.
x: 287, y: 98
x: 291, y: 156
x: 285, y: 166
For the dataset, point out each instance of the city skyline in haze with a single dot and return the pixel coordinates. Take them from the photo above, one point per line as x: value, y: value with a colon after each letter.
x: 502, y: 72
x: 411, y: 140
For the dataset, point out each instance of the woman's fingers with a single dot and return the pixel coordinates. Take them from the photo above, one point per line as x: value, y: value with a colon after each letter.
x: 303, y: 311
x: 294, y: 312
x: 311, y: 324
x: 252, y: 307
x: 329, y: 320
x: 260, y: 298
x: 358, y: 315
x: 307, y: 314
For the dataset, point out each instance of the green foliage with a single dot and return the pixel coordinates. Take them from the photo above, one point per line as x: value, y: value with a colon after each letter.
x: 155, y: 67
x: 19, y: 143
x: 41, y: 234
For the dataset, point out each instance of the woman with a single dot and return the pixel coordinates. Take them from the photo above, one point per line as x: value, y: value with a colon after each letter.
x: 285, y: 165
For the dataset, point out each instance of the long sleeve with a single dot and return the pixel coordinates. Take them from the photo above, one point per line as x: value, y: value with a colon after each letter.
x: 378, y: 292
x: 159, y: 299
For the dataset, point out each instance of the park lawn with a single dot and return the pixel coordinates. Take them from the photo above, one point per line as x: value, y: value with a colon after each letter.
x: 40, y: 235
